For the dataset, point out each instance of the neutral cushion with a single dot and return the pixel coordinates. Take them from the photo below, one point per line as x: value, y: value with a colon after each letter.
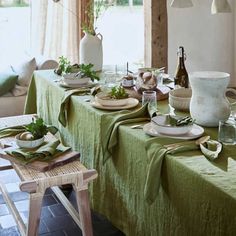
x: 25, y: 70
x: 8, y: 80
x: 19, y: 91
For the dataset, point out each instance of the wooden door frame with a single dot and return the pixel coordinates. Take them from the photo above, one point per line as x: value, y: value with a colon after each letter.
x: 156, y: 33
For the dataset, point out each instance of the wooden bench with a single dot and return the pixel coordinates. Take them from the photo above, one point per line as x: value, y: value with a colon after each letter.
x: 35, y: 183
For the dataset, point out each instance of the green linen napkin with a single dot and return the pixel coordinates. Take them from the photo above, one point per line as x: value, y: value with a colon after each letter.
x: 64, y: 108
x: 156, y: 153
x: 46, y: 152
x: 12, y: 131
x: 111, y: 122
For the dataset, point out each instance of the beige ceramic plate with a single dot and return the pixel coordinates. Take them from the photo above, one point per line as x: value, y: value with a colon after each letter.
x: 195, y: 132
x: 131, y: 102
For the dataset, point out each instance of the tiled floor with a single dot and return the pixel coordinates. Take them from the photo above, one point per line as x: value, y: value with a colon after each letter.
x: 55, y: 220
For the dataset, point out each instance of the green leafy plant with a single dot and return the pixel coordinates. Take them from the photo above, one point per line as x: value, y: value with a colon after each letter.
x: 63, y: 66
x: 86, y: 71
x: 176, y: 121
x: 82, y: 70
x: 118, y: 92
x: 37, y: 128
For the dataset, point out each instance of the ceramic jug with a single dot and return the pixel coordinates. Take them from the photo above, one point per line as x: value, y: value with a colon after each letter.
x: 91, y: 50
x: 208, y: 104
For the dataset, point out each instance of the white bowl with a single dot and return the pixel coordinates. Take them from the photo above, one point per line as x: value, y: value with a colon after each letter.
x: 180, y: 98
x: 28, y: 143
x: 70, y: 79
x: 165, y: 128
x: 105, y: 100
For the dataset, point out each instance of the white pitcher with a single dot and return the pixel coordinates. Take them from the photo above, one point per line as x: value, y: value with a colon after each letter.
x: 208, y: 104
x: 91, y: 50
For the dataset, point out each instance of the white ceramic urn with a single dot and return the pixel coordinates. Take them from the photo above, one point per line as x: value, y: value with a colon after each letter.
x: 208, y: 104
x: 91, y: 50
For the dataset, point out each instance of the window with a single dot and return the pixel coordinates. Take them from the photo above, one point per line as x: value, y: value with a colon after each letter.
x: 122, y: 27
x: 14, y: 29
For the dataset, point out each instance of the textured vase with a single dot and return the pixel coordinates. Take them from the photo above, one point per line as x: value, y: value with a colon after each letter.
x: 91, y: 50
x: 208, y: 104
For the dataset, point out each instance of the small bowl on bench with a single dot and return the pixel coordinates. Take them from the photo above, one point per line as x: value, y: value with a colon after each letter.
x: 28, y: 143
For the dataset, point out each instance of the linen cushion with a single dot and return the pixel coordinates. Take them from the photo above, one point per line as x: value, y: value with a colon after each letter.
x: 25, y: 70
x: 8, y: 80
x: 19, y: 91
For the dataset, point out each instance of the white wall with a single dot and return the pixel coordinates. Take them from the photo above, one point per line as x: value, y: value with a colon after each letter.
x: 208, y: 39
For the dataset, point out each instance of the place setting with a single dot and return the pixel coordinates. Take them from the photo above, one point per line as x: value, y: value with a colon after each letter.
x: 81, y: 76
x: 173, y: 127
x: 115, y: 98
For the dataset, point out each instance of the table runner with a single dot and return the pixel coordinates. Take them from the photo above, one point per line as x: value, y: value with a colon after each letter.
x: 197, y: 197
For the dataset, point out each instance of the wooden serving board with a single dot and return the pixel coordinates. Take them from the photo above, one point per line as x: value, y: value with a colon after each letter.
x: 45, y: 166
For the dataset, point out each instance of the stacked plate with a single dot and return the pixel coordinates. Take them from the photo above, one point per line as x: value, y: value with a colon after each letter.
x: 73, y: 81
x: 158, y: 127
x: 102, y: 101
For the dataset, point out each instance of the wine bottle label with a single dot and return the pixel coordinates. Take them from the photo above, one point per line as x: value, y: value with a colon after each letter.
x: 128, y: 82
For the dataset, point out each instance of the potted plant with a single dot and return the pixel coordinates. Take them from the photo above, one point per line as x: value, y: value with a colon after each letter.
x: 34, y: 134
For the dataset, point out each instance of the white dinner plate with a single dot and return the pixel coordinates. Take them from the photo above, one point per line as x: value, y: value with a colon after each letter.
x: 131, y: 102
x: 86, y: 85
x: 195, y: 132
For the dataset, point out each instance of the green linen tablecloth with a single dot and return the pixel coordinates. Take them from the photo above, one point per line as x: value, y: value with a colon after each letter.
x: 197, y: 196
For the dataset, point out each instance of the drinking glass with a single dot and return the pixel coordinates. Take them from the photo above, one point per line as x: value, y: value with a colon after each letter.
x: 110, y: 79
x: 149, y: 97
x: 227, y: 131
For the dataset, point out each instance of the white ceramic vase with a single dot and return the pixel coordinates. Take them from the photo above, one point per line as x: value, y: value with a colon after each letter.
x: 208, y: 104
x: 91, y: 50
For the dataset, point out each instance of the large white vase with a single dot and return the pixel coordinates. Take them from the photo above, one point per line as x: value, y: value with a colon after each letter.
x: 208, y: 103
x: 91, y: 50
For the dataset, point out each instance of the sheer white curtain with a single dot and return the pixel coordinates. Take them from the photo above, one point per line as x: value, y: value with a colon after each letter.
x: 55, y: 28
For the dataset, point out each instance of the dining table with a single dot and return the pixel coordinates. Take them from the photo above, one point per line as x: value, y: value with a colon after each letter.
x: 196, y: 196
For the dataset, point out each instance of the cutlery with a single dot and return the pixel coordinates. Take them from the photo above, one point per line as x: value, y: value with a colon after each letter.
x: 136, y: 126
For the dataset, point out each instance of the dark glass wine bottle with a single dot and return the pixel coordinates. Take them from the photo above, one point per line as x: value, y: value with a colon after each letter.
x: 181, y: 74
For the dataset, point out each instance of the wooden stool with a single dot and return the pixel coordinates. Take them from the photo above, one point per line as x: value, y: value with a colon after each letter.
x: 35, y: 183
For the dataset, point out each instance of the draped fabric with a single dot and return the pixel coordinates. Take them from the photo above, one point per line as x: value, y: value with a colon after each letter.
x: 55, y: 29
